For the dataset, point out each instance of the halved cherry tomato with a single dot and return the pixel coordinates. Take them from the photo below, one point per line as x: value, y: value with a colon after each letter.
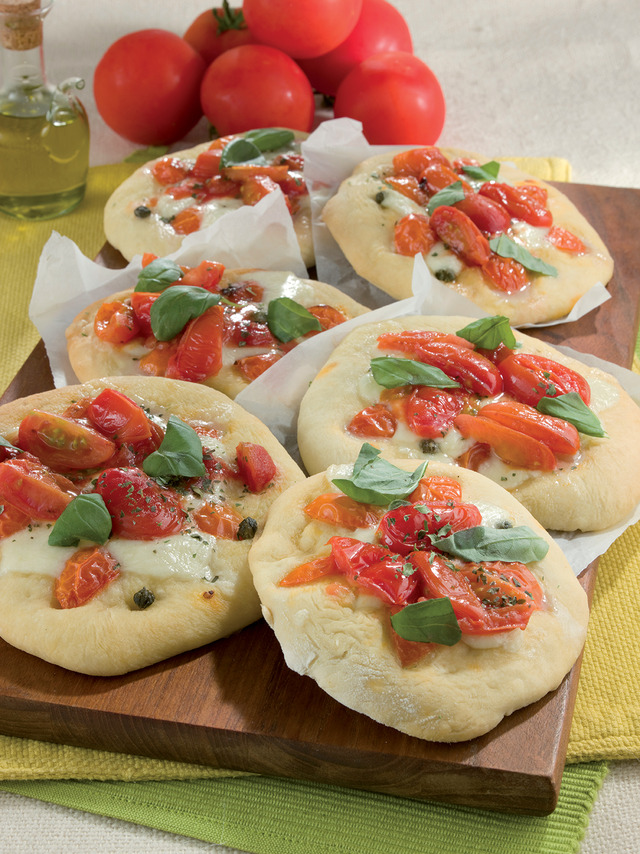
x: 514, y: 448
x: 255, y: 466
x: 169, y: 170
x: 219, y: 470
x: 333, y: 508
x: 186, y: 221
x: 206, y: 275
x: 559, y: 435
x: 461, y: 235
x: 407, y: 527
x: 409, y: 186
x: 506, y: 274
x: 156, y: 361
x: 430, y: 411
x: 242, y: 330
x: 141, y: 302
x: 566, y: 241
x: 415, y: 160
x: 147, y: 258
x: 199, y: 351
x: 245, y: 171
x: 243, y: 292
x: 437, y: 176
x: 252, y: 367
x: 207, y: 164
x: 474, y: 457
x: 352, y: 556
x: 535, y: 190
x: 305, y: 573
x: 500, y: 585
x: 12, y: 520
x: 489, y: 215
x: 61, y: 443
x: 257, y: 187
x: 470, y: 369
x: 219, y: 520
x: 520, y: 203
x: 413, y: 339
x: 115, y: 322
x: 409, y: 652
x: 139, y: 508
x: 388, y: 582
x: 529, y: 377
x: 436, y: 488
x: 373, y: 422
x: 32, y: 489
x: 119, y: 417
x: 86, y: 573
x: 327, y: 315
x: 413, y: 235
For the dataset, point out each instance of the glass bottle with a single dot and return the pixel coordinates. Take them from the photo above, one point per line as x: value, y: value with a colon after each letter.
x: 44, y: 132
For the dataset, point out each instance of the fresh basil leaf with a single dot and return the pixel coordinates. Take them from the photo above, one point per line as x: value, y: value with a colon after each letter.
x: 573, y: 409
x: 507, y: 248
x: 243, y: 151
x: 431, y: 621
x: 143, y: 155
x: 287, y: 319
x: 392, y: 371
x: 85, y: 518
x: 270, y: 139
x: 487, y: 333
x: 179, y: 454
x: 176, y: 306
x: 376, y: 481
x: 487, y: 172
x: 447, y: 196
x: 480, y: 543
x: 158, y: 275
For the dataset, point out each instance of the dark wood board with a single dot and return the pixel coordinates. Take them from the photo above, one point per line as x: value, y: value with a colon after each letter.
x: 234, y: 704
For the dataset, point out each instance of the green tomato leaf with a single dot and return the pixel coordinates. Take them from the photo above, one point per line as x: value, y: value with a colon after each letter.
x: 392, y: 371
x: 270, y: 139
x: 431, y: 621
x: 487, y: 333
x: 376, y: 481
x: 176, y: 306
x: 287, y: 319
x: 573, y: 409
x: 243, y: 151
x: 158, y: 275
x: 507, y: 248
x: 487, y: 172
x: 447, y: 196
x: 84, y: 518
x: 486, y: 544
x: 179, y: 454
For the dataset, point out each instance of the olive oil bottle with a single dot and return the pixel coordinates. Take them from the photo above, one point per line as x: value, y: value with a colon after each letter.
x: 44, y: 132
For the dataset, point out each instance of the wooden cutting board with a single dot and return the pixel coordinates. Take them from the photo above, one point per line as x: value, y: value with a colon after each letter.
x: 234, y: 704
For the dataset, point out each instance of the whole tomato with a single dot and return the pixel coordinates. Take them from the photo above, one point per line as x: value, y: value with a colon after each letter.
x: 256, y: 86
x: 397, y: 98
x: 217, y: 30
x: 302, y: 28
x: 380, y: 28
x: 147, y: 87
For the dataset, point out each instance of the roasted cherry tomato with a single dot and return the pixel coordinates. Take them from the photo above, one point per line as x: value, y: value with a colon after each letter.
x: 388, y: 581
x: 206, y: 275
x: 86, y: 573
x: 490, y: 216
x: 438, y: 176
x: 506, y: 274
x: 373, y: 422
x: 219, y: 520
x: 566, y: 241
x: 115, y: 322
x: 558, y: 434
x: 327, y: 316
x: 61, y: 443
x: 455, y: 229
x: 119, y: 417
x: 256, y: 469
x: 430, y: 411
x: 32, y: 489
x: 409, y: 186
x: 251, y: 367
x: 475, y: 373
x: 139, y: 508
x: 412, y: 235
x: 438, y: 489
x: 514, y: 448
x: 414, y: 161
x: 352, y: 556
x: 333, y: 508
x: 141, y: 303
x: 412, y: 340
x: 187, y: 221
x: 518, y: 202
x: 199, y: 351
x: 308, y: 572
x: 407, y: 527
x: 528, y: 378
x: 12, y: 520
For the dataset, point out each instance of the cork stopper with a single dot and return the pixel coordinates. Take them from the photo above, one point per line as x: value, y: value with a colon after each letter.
x: 21, y: 24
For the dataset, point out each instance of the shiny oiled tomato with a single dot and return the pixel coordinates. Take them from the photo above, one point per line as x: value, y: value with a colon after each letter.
x: 436, y: 488
x: 438, y: 176
x: 412, y: 235
x: 506, y: 274
x: 337, y: 509
x: 217, y: 30
x: 412, y: 340
x: 388, y: 581
x: 310, y: 571
x: 86, y: 573
x: 558, y: 434
x: 490, y: 216
x: 32, y: 489
x: 380, y: 28
x: 206, y: 275
x: 461, y: 235
x: 219, y: 520
x: 414, y: 161
x: 12, y: 520
x: 430, y: 411
x: 251, y: 367
x: 256, y: 86
x: 373, y: 422
x: 396, y: 97
x: 518, y: 202
x: 61, y: 443
x: 119, y: 417
x: 513, y: 447
x: 407, y: 527
x: 308, y: 28
x: 141, y: 303
x: 409, y: 186
x: 256, y: 468
x: 327, y: 316
x: 566, y: 241
x: 529, y: 377
x: 139, y: 508
x: 199, y: 351
x: 115, y: 322
x: 146, y: 87
x: 352, y: 556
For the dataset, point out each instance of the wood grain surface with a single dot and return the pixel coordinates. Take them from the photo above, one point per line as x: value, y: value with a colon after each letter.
x: 234, y: 704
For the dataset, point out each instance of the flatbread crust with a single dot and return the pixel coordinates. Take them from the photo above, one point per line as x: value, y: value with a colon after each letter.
x: 596, y: 490
x: 109, y: 635
x: 342, y: 642
x: 91, y: 357
x: 132, y: 235
x: 364, y: 230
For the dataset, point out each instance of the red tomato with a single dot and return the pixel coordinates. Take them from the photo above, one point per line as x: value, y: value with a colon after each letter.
x: 61, y: 443
x: 12, y: 520
x: 436, y: 488
x: 141, y: 303
x: 506, y: 274
x: 373, y: 422
x: 406, y: 528
x: 119, y: 417
x: 558, y: 434
x: 84, y: 575
x: 430, y: 411
x: 412, y: 235
x: 186, y: 221
x: 380, y: 28
x: 396, y: 97
x: 388, y: 582
x: 437, y: 176
x: 115, y: 322
x: 529, y: 378
x: 256, y: 86
x: 304, y: 29
x: 566, y: 241
x: 489, y: 215
x: 310, y: 571
x: 199, y: 351
x: 520, y: 203
x: 414, y: 161
x: 255, y: 466
x: 32, y: 489
x: 352, y: 556
x: 337, y: 509
x: 409, y: 186
x: 252, y: 367
x: 514, y: 448
x: 412, y: 340
x: 241, y: 331
x: 219, y: 520
x: 139, y: 508
x: 461, y: 234
x: 147, y: 85
x: 327, y: 316
x: 206, y: 275
x: 217, y: 30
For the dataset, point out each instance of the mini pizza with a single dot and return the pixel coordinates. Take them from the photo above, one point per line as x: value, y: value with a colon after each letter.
x: 175, y: 195
x: 429, y: 600
x: 510, y: 243
x: 562, y: 437
x: 128, y: 510
x: 203, y: 324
